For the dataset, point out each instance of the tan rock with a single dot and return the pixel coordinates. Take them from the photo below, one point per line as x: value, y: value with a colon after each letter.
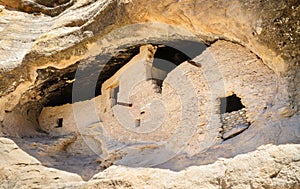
x: 268, y: 167
x: 44, y: 42
x: 20, y: 170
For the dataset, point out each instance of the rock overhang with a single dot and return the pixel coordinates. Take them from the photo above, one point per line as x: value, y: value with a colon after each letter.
x: 255, y: 31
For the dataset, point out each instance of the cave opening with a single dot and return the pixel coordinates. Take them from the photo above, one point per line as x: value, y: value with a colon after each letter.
x: 60, y: 96
x: 167, y: 57
x: 60, y: 81
x: 230, y: 104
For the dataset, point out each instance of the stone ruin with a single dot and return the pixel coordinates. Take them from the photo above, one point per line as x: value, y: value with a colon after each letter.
x: 137, y: 115
x: 107, y: 86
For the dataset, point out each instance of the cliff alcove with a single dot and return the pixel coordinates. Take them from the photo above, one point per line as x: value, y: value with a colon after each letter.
x: 167, y: 87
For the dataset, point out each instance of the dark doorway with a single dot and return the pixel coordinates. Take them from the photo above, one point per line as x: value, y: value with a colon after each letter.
x: 230, y: 104
x: 59, y: 123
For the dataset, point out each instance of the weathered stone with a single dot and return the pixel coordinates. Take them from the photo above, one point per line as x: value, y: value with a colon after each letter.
x: 234, y: 131
x: 20, y: 170
x: 269, y: 166
x: 253, y: 52
x: 125, y: 137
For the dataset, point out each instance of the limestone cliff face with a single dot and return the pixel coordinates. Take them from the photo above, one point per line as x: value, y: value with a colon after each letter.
x: 55, y: 56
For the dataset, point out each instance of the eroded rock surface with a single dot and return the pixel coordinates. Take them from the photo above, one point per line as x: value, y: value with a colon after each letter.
x: 20, y: 170
x: 269, y: 167
x: 251, y: 52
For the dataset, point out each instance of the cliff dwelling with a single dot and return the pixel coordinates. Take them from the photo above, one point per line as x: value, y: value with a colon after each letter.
x: 140, y: 105
x: 94, y: 91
